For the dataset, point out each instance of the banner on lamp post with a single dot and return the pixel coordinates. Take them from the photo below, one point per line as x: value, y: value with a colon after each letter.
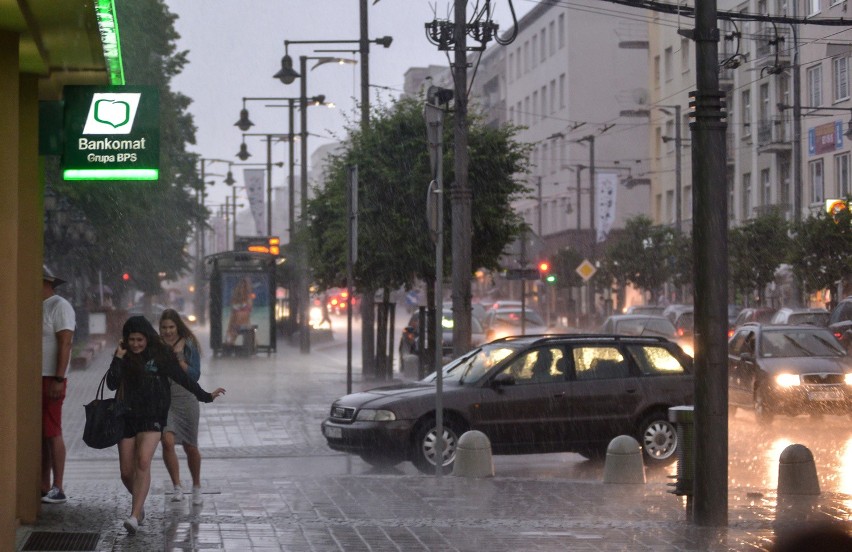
x: 606, y: 186
x: 254, y: 179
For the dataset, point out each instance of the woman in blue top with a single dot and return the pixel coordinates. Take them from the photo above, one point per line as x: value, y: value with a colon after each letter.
x: 182, y: 424
x: 141, y: 372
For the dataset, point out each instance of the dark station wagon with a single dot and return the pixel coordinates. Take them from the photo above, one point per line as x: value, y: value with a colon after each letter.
x: 528, y: 394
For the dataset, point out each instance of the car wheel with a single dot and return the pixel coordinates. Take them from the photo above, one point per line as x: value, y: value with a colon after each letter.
x: 425, y: 453
x: 658, y: 437
x: 378, y: 460
x: 762, y: 413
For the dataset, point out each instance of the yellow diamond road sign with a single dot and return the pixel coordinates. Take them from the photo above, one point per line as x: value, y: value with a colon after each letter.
x: 586, y: 270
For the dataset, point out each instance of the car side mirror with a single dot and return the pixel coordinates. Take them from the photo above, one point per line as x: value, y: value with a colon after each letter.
x: 502, y: 380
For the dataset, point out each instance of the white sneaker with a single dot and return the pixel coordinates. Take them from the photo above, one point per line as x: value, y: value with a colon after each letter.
x: 142, y: 517
x: 177, y: 494
x: 132, y: 525
x: 197, y: 499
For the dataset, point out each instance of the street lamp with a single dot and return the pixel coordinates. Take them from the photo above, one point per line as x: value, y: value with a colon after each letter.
x: 286, y: 75
x: 244, y: 124
x: 243, y: 154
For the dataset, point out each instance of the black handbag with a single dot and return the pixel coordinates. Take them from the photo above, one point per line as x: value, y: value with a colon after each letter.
x: 104, y: 420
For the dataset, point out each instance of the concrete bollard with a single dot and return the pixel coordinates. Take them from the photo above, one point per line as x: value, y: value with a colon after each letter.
x: 624, y: 461
x: 797, y: 472
x: 473, y: 456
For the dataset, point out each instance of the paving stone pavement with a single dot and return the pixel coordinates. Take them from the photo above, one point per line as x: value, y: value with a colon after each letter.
x: 271, y: 484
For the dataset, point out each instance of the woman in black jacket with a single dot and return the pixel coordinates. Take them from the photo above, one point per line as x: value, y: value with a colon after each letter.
x: 140, y: 371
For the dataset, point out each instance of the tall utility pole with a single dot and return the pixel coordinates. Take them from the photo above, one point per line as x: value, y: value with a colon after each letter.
x: 678, y: 184
x: 710, y: 244
x: 460, y: 193
x: 368, y: 308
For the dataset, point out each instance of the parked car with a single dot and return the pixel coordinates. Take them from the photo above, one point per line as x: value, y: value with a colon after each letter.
x: 683, y: 318
x: 761, y: 315
x: 733, y: 312
x: 639, y: 324
x: 645, y: 309
x: 801, y: 315
x: 528, y: 395
x: 840, y: 322
x: 408, y: 341
x: 788, y: 370
x: 508, y: 321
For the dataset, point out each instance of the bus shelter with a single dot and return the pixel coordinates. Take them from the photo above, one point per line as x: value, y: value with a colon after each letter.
x: 242, y: 303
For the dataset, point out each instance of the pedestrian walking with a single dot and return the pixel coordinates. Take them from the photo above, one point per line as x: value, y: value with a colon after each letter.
x: 182, y: 423
x: 140, y: 372
x: 58, y: 324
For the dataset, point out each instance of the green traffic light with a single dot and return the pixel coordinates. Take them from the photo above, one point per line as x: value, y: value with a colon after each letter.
x: 551, y: 279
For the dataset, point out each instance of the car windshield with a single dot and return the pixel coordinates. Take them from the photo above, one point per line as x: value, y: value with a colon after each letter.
x: 513, y: 318
x: 799, y: 343
x: 469, y: 368
x: 646, y: 326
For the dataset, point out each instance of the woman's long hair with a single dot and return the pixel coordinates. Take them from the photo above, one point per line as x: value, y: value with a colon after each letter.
x: 156, y: 349
x: 183, y: 330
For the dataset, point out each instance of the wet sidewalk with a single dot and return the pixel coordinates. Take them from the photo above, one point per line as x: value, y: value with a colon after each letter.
x: 271, y: 484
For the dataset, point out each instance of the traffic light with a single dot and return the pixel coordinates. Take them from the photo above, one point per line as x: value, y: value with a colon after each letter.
x: 126, y: 276
x: 546, y: 274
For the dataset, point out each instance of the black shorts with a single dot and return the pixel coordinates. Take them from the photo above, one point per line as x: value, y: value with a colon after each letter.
x: 132, y: 426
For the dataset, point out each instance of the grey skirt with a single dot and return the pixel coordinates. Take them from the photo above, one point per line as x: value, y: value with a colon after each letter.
x: 183, y: 416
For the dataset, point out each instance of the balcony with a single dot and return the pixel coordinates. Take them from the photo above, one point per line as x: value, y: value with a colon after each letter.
x: 774, y: 135
x: 768, y: 43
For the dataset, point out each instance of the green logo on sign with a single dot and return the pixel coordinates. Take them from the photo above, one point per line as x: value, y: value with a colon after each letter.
x: 114, y: 113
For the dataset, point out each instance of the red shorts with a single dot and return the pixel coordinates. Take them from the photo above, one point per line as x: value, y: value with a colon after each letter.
x: 51, y: 410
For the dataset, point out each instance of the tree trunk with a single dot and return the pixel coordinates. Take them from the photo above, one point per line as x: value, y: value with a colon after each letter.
x: 368, y: 350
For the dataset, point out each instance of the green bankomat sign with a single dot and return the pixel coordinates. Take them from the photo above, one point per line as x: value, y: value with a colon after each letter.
x: 111, y: 133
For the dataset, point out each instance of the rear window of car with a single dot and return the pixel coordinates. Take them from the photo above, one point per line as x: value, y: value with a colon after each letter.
x: 514, y: 318
x: 812, y: 318
x: 599, y: 362
x: 654, y: 360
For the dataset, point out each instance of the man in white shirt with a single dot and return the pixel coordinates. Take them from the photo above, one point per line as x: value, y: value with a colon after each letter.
x: 58, y: 324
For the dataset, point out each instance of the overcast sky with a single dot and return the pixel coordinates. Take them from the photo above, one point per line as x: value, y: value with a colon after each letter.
x: 236, y: 46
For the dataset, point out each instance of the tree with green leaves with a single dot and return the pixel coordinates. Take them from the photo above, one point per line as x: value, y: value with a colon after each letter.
x: 820, y: 250
x: 756, y: 250
x: 140, y: 228
x: 393, y: 171
x: 643, y: 255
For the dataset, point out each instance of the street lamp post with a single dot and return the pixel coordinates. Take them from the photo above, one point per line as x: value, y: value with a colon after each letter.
x: 244, y: 123
x: 199, y: 299
x: 286, y: 75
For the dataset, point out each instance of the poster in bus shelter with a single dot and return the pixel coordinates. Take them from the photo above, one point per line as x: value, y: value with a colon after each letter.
x: 245, y: 303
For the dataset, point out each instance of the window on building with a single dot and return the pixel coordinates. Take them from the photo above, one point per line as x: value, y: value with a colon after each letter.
x: 667, y: 63
x: 764, y: 102
x: 561, y: 30
x: 553, y: 96
x: 815, y: 85
x: 543, y: 101
x: 658, y: 206
x: 842, y: 174
x: 527, y: 111
x: 518, y: 68
x: 535, y: 116
x: 512, y: 115
x: 670, y: 208
x: 534, y: 52
x: 552, y: 36
x: 840, y: 75
x: 746, y: 197
x: 656, y: 71
x: 765, y: 189
x: 511, y: 66
x: 745, y: 106
x: 543, y: 43
x: 731, y: 212
x: 817, y: 181
x: 784, y: 184
x: 562, y: 91
x: 684, y: 55
x: 813, y: 7
x: 670, y: 134
x: 526, y: 57
x: 657, y: 145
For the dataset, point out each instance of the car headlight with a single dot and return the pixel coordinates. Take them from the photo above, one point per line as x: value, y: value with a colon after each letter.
x: 788, y: 380
x: 192, y: 318
x: 371, y: 415
x: 847, y: 378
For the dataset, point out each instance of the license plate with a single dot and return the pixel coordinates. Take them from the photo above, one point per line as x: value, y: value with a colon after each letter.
x: 334, y: 432
x: 825, y: 395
